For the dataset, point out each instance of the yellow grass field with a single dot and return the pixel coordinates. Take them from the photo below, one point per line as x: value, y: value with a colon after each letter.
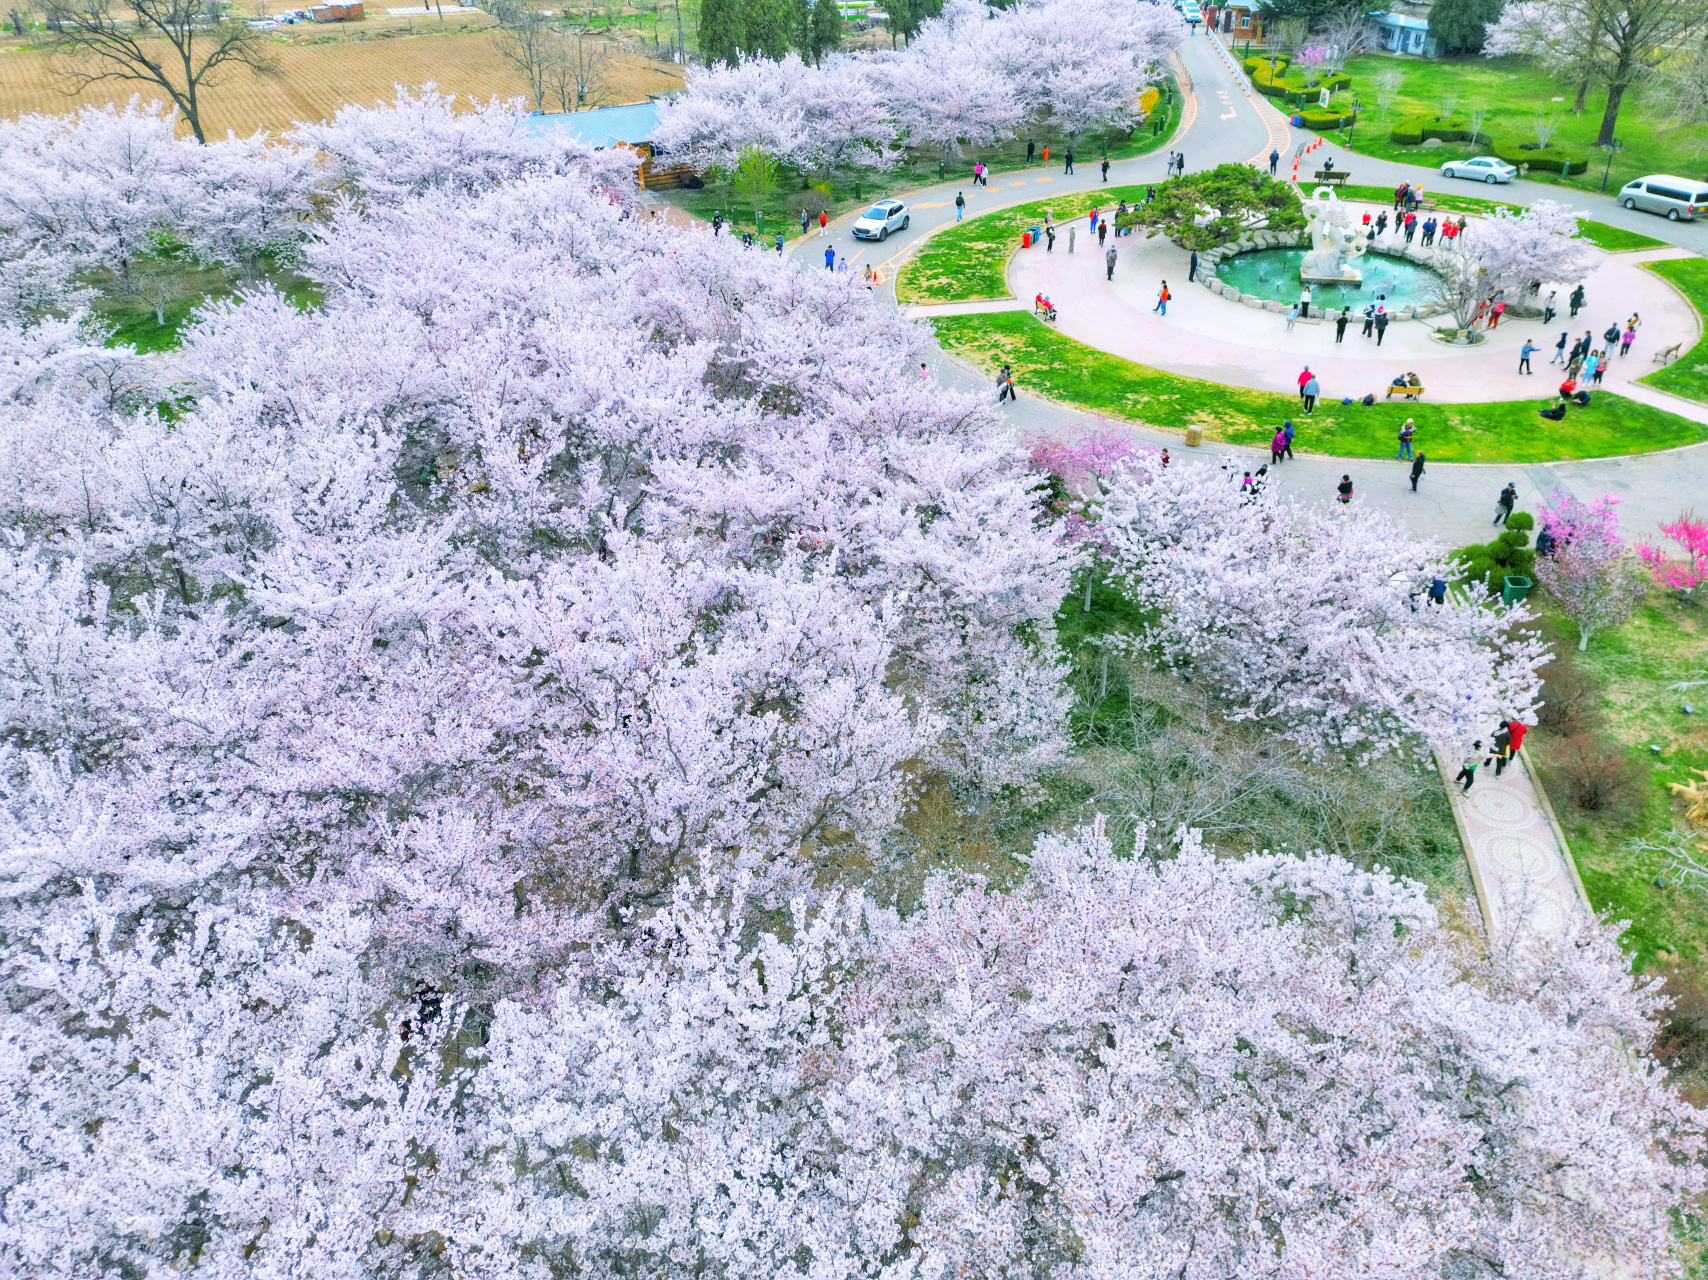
x: 324, y: 68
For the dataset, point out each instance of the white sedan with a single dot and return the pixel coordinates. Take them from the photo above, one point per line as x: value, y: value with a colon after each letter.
x: 1480, y: 168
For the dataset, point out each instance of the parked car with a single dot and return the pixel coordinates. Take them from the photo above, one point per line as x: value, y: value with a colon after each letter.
x: 881, y: 219
x: 1663, y: 193
x: 1480, y: 168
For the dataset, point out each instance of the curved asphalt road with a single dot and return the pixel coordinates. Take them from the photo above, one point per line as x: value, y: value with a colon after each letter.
x: 1225, y: 121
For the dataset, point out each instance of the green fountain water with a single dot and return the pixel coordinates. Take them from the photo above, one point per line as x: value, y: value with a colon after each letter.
x: 1274, y: 274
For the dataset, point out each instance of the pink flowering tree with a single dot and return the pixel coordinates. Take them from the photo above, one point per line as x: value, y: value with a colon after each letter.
x: 1590, y: 572
x: 1683, y: 576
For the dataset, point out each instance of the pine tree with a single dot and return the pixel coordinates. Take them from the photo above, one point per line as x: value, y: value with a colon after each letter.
x: 767, y: 27
x: 1460, y: 26
x: 819, y: 27
x: 723, y: 30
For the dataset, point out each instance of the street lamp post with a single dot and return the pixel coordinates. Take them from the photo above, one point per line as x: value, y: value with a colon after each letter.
x: 1613, y: 146
x: 1353, y: 127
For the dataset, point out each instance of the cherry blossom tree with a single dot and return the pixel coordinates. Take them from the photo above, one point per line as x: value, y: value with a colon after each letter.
x: 1515, y: 254
x: 1590, y: 571
x: 1315, y: 622
x: 1557, y: 34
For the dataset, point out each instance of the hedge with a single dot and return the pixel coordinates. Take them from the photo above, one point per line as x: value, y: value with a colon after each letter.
x: 1411, y: 132
x: 1322, y: 121
x: 1283, y: 84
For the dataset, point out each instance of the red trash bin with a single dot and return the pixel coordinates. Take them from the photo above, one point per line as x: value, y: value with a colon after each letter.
x: 1025, y: 239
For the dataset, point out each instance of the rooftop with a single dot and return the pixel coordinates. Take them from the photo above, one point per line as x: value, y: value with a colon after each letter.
x: 602, y: 126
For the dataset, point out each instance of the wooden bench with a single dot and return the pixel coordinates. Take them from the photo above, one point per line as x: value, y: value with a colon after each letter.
x: 1406, y: 393
x: 1336, y: 177
x: 1670, y: 354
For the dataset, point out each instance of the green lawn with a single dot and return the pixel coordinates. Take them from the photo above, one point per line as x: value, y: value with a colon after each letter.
x: 1513, y: 92
x: 969, y: 261
x: 1686, y: 376
x: 134, y: 322
x: 1048, y: 364
x: 854, y: 189
x: 1600, y: 234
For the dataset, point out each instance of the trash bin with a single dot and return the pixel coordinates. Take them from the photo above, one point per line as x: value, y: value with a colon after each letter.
x: 1194, y: 436
x: 1514, y: 589
x: 1025, y: 239
x: 1037, y: 235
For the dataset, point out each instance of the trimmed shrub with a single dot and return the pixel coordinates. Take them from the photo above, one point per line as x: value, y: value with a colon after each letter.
x: 1253, y: 63
x: 1408, y: 133
x: 1520, y: 522
x: 1325, y: 121
x: 1548, y: 160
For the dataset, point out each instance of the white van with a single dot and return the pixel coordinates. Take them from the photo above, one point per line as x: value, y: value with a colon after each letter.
x: 1663, y: 193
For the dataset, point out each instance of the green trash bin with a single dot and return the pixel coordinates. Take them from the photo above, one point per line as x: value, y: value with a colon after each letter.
x: 1514, y: 589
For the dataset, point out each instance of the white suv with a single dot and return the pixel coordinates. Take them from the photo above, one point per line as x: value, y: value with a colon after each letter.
x: 881, y: 219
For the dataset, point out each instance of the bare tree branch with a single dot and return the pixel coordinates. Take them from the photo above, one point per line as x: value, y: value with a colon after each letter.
x: 96, y: 44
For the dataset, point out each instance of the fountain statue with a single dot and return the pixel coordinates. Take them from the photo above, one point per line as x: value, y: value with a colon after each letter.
x: 1335, y: 241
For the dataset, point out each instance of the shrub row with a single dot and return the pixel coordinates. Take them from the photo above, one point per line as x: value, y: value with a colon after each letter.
x: 1413, y: 131
x: 1283, y: 82
x: 1320, y: 120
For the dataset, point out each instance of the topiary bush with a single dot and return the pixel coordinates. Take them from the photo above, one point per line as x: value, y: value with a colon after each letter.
x: 1408, y: 133
x: 1325, y: 121
x: 1487, y: 564
x: 1548, y: 159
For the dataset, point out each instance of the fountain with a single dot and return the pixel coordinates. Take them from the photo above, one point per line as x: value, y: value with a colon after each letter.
x: 1335, y: 242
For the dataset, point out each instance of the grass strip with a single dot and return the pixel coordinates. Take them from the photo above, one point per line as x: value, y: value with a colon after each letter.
x: 1686, y: 376
x: 1059, y: 368
x: 968, y: 262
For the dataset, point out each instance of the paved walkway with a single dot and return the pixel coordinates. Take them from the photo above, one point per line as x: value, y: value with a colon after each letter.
x: 1519, y: 860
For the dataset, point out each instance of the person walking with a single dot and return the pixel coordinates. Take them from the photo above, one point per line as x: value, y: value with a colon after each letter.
x: 1524, y: 353
x: 1192, y: 270
x: 1106, y: 168
x: 1344, y: 491
x: 1501, y: 749
x: 1287, y: 432
x: 1411, y: 226
x: 1109, y: 264
x: 1312, y: 391
x: 779, y: 244
x: 1416, y: 471
x: 1516, y: 729
x: 1463, y: 223
x: 1468, y: 770
x: 1304, y: 377
x: 717, y: 222
x: 1369, y: 319
x: 806, y: 221
x: 1031, y: 150
x: 1050, y: 237
x: 1068, y: 156
x: 1381, y: 323
x: 1277, y: 447
x: 1576, y: 301
x: 1102, y: 231
x: 1340, y: 324
x: 1292, y: 319
x: 830, y: 257
x: 1560, y: 350
x: 1162, y: 299
x: 1180, y: 164
x: 823, y: 221
x: 960, y: 205
x: 1549, y: 310
x: 1504, y: 503
x: 1274, y: 161
x: 1406, y: 433
x: 1005, y: 385
x: 1627, y: 339
x: 924, y: 372
x: 1382, y: 223
x: 1496, y: 312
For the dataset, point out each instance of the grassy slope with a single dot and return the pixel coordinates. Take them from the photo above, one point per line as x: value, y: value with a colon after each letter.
x: 1512, y: 92
x: 969, y: 261
x: 1688, y: 375
x: 1663, y: 643
x: 1061, y: 369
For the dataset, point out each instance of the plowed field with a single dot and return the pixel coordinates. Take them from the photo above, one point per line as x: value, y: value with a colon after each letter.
x: 319, y: 70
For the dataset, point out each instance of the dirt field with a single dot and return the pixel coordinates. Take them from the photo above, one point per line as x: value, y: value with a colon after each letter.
x: 320, y: 70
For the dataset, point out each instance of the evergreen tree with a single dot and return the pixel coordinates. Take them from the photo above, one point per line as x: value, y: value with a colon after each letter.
x: 822, y: 29
x: 1460, y: 26
x: 767, y: 27
x: 723, y: 30
x: 906, y: 15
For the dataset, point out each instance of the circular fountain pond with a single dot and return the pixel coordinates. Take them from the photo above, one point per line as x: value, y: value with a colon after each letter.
x: 1274, y: 274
